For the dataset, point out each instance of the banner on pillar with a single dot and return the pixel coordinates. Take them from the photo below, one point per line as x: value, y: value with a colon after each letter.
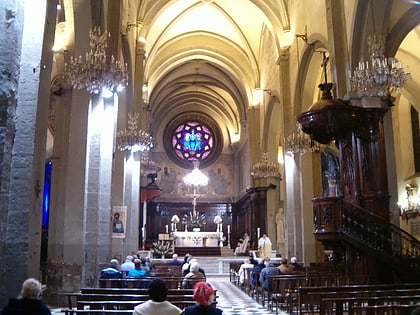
x: 119, y: 221
x: 149, y: 194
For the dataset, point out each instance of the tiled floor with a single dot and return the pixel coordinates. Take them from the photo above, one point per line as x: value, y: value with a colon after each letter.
x: 233, y: 301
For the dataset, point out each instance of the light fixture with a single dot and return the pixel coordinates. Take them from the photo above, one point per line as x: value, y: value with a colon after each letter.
x: 300, y: 142
x: 379, y: 76
x: 95, y: 71
x: 288, y: 39
x: 133, y: 138
x: 304, y: 37
x: 265, y: 169
x: 196, y: 177
x: 258, y: 95
x: 410, y: 206
x: 148, y: 166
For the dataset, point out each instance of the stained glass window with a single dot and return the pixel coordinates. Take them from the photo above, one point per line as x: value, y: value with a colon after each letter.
x: 192, y: 141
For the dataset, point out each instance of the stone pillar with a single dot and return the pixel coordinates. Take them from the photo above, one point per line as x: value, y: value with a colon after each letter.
x: 97, y: 208
x: 23, y: 132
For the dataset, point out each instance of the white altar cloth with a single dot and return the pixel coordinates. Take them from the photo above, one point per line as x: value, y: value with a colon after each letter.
x: 197, y: 239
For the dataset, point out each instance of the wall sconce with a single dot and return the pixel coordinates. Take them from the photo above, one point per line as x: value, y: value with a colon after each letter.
x: 145, y: 90
x: 288, y: 39
x: 258, y: 94
x: 280, y: 155
x: 304, y: 37
x: 235, y: 136
x: 410, y: 207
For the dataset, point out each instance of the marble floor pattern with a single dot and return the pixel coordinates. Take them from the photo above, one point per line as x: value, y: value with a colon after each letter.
x: 233, y: 301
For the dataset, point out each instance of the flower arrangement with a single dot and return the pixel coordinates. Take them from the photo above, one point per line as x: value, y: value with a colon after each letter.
x: 196, y: 219
x: 161, y: 247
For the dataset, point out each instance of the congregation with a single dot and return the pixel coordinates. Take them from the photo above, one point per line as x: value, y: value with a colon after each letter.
x: 136, y: 266
x: 254, y: 276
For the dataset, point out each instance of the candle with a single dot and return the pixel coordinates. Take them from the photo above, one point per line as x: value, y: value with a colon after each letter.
x: 166, y: 229
x: 143, y: 232
x: 258, y: 232
x: 228, y: 228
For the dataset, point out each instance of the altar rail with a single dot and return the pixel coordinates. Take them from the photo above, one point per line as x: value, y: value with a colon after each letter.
x: 199, y: 251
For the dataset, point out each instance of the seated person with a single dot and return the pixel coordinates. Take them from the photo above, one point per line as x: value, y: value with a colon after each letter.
x: 127, y: 265
x: 285, y: 268
x: 137, y: 272
x: 148, y: 265
x: 298, y: 266
x: 175, y: 261
x: 255, y: 273
x: 113, y: 271
x: 243, y: 269
x: 157, y: 303
x: 242, y: 245
x: 252, y: 259
x: 29, y: 301
x: 204, y: 295
x: 269, y: 270
x: 186, y: 268
x: 193, y: 276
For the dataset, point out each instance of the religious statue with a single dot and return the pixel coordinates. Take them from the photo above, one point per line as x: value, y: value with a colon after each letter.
x: 280, y: 230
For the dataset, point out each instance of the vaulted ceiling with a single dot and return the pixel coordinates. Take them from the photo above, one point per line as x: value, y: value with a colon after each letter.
x: 205, y: 56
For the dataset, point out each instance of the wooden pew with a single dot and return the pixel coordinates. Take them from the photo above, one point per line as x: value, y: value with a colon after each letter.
x: 309, y: 298
x: 120, y: 300
x: 132, y: 291
x: 173, y: 282
x: 284, y: 291
x: 387, y: 309
x: 351, y: 300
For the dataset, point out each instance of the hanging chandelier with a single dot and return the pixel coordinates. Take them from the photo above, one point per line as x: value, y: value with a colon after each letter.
x: 133, y: 138
x: 265, y: 168
x: 196, y: 177
x: 300, y: 143
x: 148, y: 165
x: 379, y: 76
x: 95, y: 72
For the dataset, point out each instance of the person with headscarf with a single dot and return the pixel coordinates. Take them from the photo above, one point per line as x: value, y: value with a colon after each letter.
x: 204, y: 295
x: 157, y: 303
x: 29, y: 301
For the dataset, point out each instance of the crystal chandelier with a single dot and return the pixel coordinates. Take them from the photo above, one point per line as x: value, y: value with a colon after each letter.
x: 148, y: 165
x: 196, y: 177
x: 265, y: 169
x: 132, y: 138
x: 95, y: 71
x: 380, y: 76
x: 300, y: 143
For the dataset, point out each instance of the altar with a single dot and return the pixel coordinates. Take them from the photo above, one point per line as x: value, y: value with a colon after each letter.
x: 197, y: 239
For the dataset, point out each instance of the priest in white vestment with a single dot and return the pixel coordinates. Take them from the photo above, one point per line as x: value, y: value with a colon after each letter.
x: 264, y: 246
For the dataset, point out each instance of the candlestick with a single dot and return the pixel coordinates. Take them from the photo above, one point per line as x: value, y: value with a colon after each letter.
x: 228, y: 228
x: 166, y: 229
